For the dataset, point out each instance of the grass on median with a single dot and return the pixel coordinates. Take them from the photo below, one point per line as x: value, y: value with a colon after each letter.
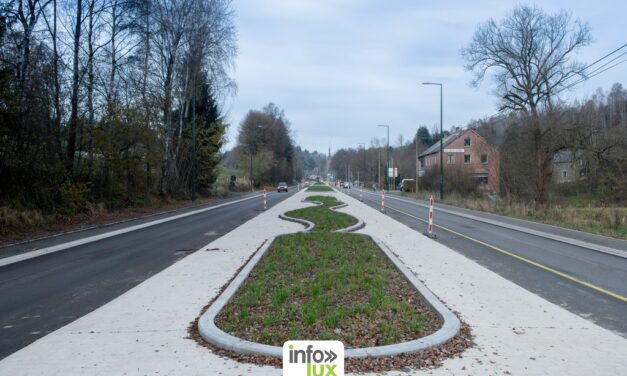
x: 319, y: 188
x: 327, y: 286
x: 325, y: 219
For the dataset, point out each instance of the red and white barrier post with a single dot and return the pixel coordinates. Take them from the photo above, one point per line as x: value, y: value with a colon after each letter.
x: 383, y: 200
x: 430, y: 227
x: 265, y: 203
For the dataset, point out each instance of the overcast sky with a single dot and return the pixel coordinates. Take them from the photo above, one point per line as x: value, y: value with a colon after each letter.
x: 339, y: 68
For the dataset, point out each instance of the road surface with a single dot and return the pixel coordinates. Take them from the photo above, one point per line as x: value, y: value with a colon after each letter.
x: 586, y: 282
x: 42, y: 294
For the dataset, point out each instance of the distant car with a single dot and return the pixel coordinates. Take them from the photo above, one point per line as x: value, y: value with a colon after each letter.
x: 282, y: 187
x: 347, y: 184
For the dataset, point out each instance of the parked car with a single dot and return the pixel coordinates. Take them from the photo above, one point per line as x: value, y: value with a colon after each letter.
x: 282, y: 187
x: 406, y: 185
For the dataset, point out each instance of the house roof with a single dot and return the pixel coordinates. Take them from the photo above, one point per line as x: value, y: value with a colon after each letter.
x: 435, y: 148
x: 567, y: 156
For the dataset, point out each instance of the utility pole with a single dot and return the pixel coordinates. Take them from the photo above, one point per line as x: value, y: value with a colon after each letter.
x: 416, y: 167
x: 388, y: 154
x: 441, y: 141
x: 379, y: 170
x: 365, y: 172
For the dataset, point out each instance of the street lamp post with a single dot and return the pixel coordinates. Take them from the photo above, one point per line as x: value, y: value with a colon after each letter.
x: 388, y: 155
x: 416, y: 167
x: 441, y: 142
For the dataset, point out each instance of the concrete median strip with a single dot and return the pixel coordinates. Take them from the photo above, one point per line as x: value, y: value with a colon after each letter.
x: 214, y: 335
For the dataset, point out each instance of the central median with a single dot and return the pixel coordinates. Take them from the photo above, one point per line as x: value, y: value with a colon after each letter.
x: 326, y: 285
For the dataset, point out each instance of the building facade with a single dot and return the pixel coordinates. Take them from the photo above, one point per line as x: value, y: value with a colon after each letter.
x: 466, y: 148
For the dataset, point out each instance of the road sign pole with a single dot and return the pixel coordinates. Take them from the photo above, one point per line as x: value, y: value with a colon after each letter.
x: 429, y: 232
x: 265, y: 203
x: 383, y: 200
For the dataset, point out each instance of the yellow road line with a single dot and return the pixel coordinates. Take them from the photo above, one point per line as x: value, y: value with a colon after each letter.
x: 524, y: 259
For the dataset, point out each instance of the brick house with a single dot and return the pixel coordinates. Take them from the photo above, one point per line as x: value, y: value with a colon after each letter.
x: 468, y: 149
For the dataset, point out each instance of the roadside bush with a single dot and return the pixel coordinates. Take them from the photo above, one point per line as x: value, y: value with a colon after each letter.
x: 10, y: 217
x: 74, y: 197
x: 456, y: 180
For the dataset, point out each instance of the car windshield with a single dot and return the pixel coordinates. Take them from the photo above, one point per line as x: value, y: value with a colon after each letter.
x: 282, y: 184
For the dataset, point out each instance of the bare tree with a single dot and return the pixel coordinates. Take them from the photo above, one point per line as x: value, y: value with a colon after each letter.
x: 530, y: 56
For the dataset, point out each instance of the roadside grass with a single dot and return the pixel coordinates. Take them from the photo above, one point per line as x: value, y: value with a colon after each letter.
x: 325, y: 219
x: 319, y: 188
x: 572, y: 213
x: 327, y: 286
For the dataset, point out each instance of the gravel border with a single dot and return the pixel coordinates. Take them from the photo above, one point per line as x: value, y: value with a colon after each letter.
x: 214, y: 335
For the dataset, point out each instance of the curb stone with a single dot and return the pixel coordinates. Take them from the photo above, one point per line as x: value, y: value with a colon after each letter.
x: 214, y: 335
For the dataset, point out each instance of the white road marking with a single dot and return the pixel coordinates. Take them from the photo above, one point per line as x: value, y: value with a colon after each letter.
x: 44, y: 251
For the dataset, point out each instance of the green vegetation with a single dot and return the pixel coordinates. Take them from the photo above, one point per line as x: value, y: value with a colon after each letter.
x: 325, y: 285
x: 320, y: 188
x: 325, y: 219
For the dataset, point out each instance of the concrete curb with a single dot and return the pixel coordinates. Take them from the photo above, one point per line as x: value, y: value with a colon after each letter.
x: 214, y: 335
x: 308, y: 225
x: 360, y: 223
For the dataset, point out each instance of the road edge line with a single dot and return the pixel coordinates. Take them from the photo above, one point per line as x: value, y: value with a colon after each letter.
x: 90, y: 239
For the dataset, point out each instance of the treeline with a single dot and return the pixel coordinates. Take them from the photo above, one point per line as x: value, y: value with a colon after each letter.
x: 367, y: 164
x: 265, y: 148
x: 111, y: 100
x: 592, y: 134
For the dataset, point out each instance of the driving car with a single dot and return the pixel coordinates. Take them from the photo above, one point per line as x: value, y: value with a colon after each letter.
x: 346, y: 184
x: 282, y: 187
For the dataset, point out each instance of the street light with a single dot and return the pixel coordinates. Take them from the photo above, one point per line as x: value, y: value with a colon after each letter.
x: 388, y: 155
x: 441, y: 142
x: 250, y: 145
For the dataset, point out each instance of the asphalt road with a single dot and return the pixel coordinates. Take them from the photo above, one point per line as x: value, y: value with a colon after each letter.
x: 40, y: 295
x: 543, y: 266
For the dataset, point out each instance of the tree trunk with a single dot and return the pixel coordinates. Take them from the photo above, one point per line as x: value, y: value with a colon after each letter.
x: 71, y: 147
x: 57, y: 85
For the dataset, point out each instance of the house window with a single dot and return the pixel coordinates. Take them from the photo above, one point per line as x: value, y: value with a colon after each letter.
x: 467, y: 158
x: 484, y: 158
x: 467, y: 141
x: 422, y: 163
x: 450, y: 158
x: 483, y: 180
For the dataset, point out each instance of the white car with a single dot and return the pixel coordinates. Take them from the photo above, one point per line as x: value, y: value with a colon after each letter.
x: 346, y: 185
